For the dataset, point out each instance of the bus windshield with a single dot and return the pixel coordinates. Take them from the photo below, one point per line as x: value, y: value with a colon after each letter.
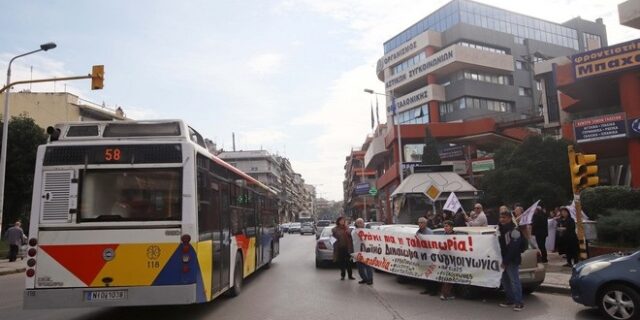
x: 131, y: 195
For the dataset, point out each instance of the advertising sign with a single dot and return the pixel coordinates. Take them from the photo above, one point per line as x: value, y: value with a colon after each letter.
x: 483, y: 165
x: 605, y: 127
x: 609, y: 59
x: 362, y: 188
x: 464, y: 259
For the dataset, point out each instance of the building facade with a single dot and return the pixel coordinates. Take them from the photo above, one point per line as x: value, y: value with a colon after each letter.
x: 468, y: 72
x: 296, y: 198
x: 50, y: 108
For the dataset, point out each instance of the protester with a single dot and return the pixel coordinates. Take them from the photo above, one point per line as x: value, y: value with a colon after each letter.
x: 436, y: 221
x: 15, y: 238
x: 446, y: 288
x: 459, y: 219
x: 510, y: 243
x: 343, y: 247
x: 567, y: 239
x: 540, y: 229
x: 478, y: 217
x: 365, y: 271
x: 423, y: 229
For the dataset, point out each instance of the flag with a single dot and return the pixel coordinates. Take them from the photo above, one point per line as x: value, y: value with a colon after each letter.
x: 377, y: 113
x: 452, y: 204
x: 372, y: 119
x: 572, y: 211
x: 527, y: 216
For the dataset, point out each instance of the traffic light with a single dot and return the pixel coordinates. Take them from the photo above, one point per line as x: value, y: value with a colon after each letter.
x: 97, y: 77
x: 584, y: 171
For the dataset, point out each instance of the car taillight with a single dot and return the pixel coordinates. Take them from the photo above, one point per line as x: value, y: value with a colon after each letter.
x: 321, y: 245
x: 185, y: 238
x: 33, y: 242
x: 31, y: 262
x: 32, y: 252
x: 31, y: 273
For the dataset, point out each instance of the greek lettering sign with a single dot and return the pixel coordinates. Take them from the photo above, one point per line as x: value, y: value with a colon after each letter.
x: 600, y: 128
x: 435, y: 61
x: 604, y: 60
x: 464, y: 259
x: 634, y: 128
x: 483, y: 165
x: 362, y: 188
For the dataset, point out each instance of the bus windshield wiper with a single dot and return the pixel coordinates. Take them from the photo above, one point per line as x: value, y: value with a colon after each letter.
x: 109, y: 217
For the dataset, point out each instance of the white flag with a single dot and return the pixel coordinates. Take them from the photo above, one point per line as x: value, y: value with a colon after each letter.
x: 452, y: 204
x: 572, y: 211
x: 527, y: 216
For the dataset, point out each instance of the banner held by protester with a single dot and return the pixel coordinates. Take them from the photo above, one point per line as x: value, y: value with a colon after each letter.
x: 464, y: 259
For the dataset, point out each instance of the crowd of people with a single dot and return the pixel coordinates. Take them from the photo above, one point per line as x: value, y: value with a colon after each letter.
x: 513, y: 238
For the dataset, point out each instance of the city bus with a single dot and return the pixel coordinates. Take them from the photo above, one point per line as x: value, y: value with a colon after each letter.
x: 133, y: 213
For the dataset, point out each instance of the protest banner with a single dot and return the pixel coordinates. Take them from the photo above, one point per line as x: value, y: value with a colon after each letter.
x: 452, y: 204
x: 527, y: 217
x: 463, y: 259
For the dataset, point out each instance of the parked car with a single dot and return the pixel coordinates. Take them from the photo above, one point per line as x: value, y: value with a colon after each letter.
x: 307, y: 227
x: 611, y: 283
x: 324, y: 247
x: 371, y: 224
x: 294, y: 227
x: 285, y: 227
x: 532, y: 272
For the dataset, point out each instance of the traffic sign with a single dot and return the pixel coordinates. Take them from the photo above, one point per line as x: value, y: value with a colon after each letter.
x: 432, y: 192
x: 373, y: 191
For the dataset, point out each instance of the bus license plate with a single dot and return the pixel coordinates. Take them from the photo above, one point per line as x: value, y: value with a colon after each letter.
x: 106, y: 295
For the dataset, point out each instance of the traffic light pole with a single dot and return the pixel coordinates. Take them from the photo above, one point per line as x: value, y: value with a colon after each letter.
x: 583, y: 175
x: 3, y: 89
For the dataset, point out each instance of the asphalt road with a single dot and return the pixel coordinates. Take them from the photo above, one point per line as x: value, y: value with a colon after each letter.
x: 294, y: 288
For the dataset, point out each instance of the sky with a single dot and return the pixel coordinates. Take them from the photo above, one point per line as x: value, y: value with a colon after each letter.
x: 284, y: 75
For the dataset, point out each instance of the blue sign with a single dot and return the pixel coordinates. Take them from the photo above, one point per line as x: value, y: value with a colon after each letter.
x: 604, y: 127
x: 362, y: 188
x: 634, y: 128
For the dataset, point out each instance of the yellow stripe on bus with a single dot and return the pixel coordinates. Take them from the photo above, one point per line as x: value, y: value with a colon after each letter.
x: 135, y: 264
x: 204, y: 251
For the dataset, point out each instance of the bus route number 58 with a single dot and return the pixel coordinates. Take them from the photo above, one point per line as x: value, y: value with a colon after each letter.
x: 112, y: 154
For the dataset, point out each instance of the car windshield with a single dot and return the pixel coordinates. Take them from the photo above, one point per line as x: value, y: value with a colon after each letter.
x: 323, y: 223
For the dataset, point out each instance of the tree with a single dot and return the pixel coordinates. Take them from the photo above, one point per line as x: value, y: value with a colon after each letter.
x: 24, y: 138
x: 430, y: 155
x: 536, y: 169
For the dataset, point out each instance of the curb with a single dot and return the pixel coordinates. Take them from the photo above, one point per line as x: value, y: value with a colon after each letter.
x: 554, y: 288
x: 12, y: 271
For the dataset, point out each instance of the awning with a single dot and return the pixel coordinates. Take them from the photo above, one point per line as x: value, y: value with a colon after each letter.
x: 447, y: 182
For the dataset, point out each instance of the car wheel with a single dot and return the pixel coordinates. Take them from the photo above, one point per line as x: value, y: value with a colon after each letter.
x: 529, y: 290
x: 237, y: 277
x: 318, y: 263
x: 619, y: 302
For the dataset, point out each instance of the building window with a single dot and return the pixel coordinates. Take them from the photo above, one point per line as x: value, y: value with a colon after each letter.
x: 475, y: 103
x: 524, y: 92
x: 409, y: 62
x: 482, y: 47
x: 522, y: 65
x: 591, y: 41
x: 417, y: 115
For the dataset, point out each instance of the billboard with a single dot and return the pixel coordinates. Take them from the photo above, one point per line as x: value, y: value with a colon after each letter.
x: 603, y: 127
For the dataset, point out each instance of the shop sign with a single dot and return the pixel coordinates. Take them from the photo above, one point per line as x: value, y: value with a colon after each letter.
x: 604, y: 127
x: 483, y: 165
x: 605, y: 60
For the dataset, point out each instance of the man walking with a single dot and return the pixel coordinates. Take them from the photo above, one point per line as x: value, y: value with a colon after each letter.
x: 540, y: 230
x: 510, y: 243
x: 431, y: 287
x: 365, y: 271
x: 15, y: 238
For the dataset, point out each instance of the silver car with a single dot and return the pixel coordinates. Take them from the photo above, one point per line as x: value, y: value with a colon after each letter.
x: 307, y: 227
x: 294, y: 227
x: 324, y: 247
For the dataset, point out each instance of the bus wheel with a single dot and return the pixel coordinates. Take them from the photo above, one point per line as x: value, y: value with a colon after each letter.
x: 237, y: 277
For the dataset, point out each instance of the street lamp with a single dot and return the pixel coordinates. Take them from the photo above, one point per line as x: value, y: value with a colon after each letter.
x: 397, y: 122
x: 5, y: 124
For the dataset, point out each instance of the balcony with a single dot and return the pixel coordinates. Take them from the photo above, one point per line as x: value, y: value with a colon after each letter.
x: 446, y: 61
x: 629, y: 13
x: 375, y: 153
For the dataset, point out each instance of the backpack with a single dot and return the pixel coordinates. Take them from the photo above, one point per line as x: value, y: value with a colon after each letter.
x: 523, y: 243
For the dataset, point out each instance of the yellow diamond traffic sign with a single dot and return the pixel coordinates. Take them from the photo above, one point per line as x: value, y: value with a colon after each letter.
x: 432, y: 192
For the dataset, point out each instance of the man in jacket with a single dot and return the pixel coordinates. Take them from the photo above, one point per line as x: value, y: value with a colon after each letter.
x: 478, y: 218
x: 510, y: 243
x: 15, y: 238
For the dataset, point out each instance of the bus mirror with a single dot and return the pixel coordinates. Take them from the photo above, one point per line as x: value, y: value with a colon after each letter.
x: 54, y: 133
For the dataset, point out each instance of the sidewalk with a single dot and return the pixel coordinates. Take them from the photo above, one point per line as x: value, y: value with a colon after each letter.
x: 557, y: 277
x: 7, y: 267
